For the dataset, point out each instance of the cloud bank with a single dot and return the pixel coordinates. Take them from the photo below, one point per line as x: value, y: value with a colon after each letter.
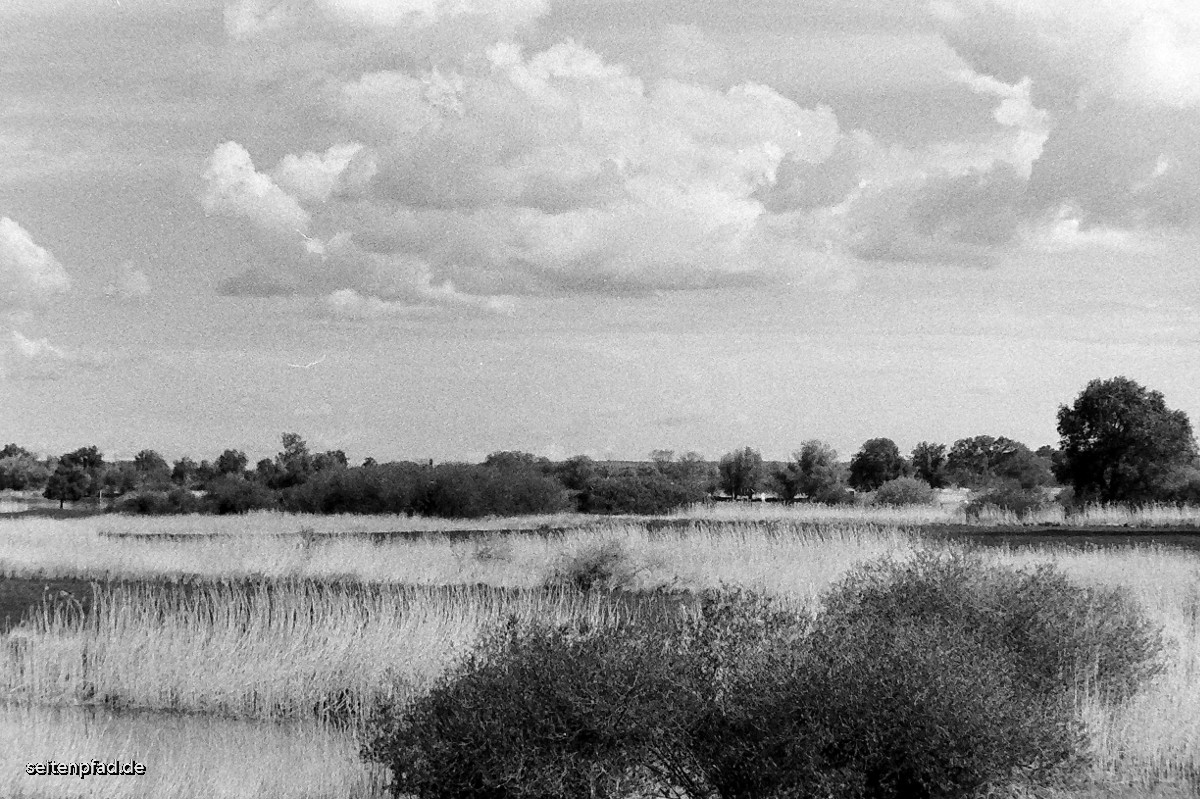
x: 498, y: 171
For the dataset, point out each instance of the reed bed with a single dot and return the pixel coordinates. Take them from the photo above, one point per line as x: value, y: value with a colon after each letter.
x: 266, y: 650
x: 186, y: 757
x: 290, y: 647
x: 698, y: 555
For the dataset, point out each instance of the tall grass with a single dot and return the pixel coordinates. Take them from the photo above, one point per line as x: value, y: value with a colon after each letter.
x: 297, y: 649
x: 186, y: 757
x: 262, y: 650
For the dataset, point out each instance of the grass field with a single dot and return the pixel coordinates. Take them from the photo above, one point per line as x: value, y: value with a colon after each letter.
x: 260, y: 624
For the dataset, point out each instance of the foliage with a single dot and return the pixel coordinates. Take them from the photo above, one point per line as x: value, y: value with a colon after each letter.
x: 232, y: 462
x: 605, y: 565
x: 1011, y: 497
x: 981, y: 461
x: 78, y: 474
x: 813, y: 473
x: 904, y: 491
x: 649, y: 494
x: 878, y: 461
x: 741, y: 472
x: 1120, y: 442
x: 534, y: 712
x: 238, y: 495
x: 21, y: 471
x: 1052, y: 629
x: 158, y: 503
x: 929, y: 463
x: 940, y: 677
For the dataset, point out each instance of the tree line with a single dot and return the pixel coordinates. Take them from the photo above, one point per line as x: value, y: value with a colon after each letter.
x: 1119, y: 443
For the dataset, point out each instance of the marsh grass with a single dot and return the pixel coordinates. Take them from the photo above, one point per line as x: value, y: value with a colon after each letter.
x: 186, y: 757
x: 266, y: 650
x: 306, y: 626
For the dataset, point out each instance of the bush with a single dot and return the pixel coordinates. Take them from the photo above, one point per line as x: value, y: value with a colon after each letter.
x: 936, y: 678
x: 238, y: 495
x: 1055, y: 631
x: 644, y: 494
x: 904, y: 491
x: 1010, y: 497
x: 604, y: 565
x: 535, y: 712
x: 158, y: 503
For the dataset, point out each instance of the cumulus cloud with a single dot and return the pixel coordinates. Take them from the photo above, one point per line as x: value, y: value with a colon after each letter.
x: 130, y: 283
x: 1121, y: 82
x: 232, y: 187
x: 31, y: 359
x: 29, y: 274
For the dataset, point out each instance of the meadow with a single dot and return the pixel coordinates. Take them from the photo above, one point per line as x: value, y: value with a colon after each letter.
x: 297, y: 625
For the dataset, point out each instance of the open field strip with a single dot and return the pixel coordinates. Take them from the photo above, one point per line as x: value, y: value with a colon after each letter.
x: 186, y: 757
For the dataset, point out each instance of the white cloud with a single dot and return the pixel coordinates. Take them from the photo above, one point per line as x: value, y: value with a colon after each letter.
x: 24, y: 358
x: 313, y: 177
x: 1121, y: 82
x: 233, y: 187
x: 29, y: 274
x: 130, y: 283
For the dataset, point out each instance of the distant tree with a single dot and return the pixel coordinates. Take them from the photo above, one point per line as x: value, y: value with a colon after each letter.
x: 266, y: 471
x: 982, y: 461
x: 20, y: 470
x: 120, y: 478
x: 232, y: 462
x: 813, y: 473
x: 78, y: 475
x: 741, y: 472
x: 206, y: 472
x: 330, y: 459
x: 517, y: 461
x: 151, y: 468
x: 576, y: 472
x: 14, y: 451
x: 929, y: 463
x: 369, y: 462
x: 184, y: 471
x: 294, y: 463
x: 1121, y: 443
x: 878, y: 461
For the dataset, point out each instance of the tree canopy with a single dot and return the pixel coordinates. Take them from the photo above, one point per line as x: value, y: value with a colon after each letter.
x: 878, y: 461
x: 741, y: 472
x: 1121, y: 443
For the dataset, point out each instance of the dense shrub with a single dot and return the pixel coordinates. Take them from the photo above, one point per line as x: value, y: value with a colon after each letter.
x: 158, y: 503
x: 605, y: 565
x: 646, y: 493
x: 941, y: 677
x: 538, y: 712
x: 1010, y: 497
x: 904, y: 491
x: 1054, y: 630
x: 238, y: 495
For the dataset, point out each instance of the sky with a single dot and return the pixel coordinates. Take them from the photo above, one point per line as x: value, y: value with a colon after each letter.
x: 419, y: 229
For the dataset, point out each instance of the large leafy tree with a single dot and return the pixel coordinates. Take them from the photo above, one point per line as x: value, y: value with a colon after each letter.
x: 982, y: 461
x: 878, y: 461
x: 79, y: 474
x: 813, y: 473
x: 1121, y: 443
x: 929, y: 463
x: 741, y: 472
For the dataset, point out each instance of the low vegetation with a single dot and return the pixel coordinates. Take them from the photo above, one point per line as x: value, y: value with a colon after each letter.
x: 938, y: 677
